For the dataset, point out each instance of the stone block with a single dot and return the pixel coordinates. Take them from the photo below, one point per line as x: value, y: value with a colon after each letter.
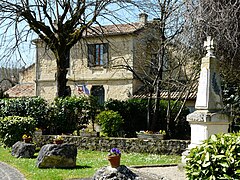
x: 23, y: 150
x: 57, y: 156
x: 120, y: 173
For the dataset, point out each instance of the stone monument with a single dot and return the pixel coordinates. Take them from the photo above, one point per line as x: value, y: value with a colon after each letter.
x: 208, y: 117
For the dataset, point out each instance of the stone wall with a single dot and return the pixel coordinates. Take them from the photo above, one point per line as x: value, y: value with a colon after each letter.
x: 28, y: 75
x: 153, y: 146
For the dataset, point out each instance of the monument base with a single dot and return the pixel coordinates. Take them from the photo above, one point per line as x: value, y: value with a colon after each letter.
x: 204, y: 124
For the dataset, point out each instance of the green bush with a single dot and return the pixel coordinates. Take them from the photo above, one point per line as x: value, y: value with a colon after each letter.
x: 71, y: 113
x: 178, y: 128
x: 217, y: 158
x: 35, y: 107
x: 134, y: 113
x: 13, y: 127
x: 110, y: 122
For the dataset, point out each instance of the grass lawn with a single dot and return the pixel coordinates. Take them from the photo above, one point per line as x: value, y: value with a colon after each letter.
x: 88, y: 162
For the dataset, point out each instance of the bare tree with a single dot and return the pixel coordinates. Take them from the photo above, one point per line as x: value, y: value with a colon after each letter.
x: 59, y: 23
x: 167, y: 58
x: 221, y: 20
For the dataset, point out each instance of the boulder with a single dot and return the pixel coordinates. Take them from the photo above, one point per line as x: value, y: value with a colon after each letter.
x: 124, y: 173
x: 57, y: 156
x: 23, y: 150
x: 119, y: 173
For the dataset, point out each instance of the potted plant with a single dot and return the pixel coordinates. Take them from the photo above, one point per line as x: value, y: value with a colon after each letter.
x: 58, y: 139
x: 87, y: 133
x: 26, y: 138
x: 38, y: 131
x: 151, y: 135
x: 114, y: 157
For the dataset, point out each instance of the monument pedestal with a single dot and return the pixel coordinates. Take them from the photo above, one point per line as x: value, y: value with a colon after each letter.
x: 204, y: 124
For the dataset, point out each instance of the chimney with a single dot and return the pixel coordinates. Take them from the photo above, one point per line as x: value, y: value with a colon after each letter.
x: 143, y: 18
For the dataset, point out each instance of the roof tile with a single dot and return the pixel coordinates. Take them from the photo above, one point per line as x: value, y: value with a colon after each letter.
x: 114, y: 29
x: 22, y: 90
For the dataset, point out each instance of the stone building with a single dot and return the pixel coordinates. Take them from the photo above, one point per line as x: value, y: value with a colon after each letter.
x: 26, y: 85
x: 96, y: 63
x: 99, y: 64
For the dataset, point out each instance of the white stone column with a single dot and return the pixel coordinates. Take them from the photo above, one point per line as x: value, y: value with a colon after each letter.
x: 208, y: 118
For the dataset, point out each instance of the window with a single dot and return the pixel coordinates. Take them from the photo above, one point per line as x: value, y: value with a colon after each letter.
x: 98, y: 91
x: 98, y: 55
x: 154, y: 64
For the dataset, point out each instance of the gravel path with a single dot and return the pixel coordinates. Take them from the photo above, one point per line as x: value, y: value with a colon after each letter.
x: 168, y: 172
x: 156, y: 173
x: 9, y: 173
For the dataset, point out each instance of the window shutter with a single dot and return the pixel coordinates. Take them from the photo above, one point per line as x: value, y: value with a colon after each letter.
x: 105, y: 55
x: 91, y: 50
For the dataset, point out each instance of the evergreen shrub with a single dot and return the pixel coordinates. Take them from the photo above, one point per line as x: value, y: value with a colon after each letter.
x: 71, y: 113
x: 111, y: 122
x: 12, y: 128
x: 217, y: 158
x: 134, y: 112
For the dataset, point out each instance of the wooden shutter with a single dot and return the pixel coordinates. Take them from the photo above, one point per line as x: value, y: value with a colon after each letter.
x: 91, y: 50
x: 105, y: 55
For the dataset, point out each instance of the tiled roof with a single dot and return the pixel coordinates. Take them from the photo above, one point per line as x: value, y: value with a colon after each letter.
x: 114, y: 29
x: 173, y: 95
x: 22, y: 90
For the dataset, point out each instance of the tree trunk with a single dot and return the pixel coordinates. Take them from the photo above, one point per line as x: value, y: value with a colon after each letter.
x: 61, y: 75
x: 157, y: 83
x: 149, y: 110
x: 169, y: 122
x: 156, y: 110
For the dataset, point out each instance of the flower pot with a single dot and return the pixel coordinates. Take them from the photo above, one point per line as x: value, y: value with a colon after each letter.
x: 27, y: 140
x: 114, y: 161
x: 88, y: 134
x: 58, y: 141
x: 151, y: 136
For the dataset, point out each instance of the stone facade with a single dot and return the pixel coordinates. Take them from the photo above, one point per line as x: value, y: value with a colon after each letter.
x: 28, y: 75
x: 126, y: 44
x: 26, y: 86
